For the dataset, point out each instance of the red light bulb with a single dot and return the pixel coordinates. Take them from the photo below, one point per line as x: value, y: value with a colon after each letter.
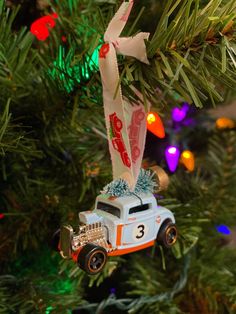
x: 155, y: 125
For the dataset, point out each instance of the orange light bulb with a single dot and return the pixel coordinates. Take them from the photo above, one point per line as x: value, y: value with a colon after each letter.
x: 188, y: 160
x: 187, y: 154
x: 225, y: 123
x: 155, y: 125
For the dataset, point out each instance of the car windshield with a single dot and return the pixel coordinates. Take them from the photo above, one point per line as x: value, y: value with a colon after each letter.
x: 109, y: 209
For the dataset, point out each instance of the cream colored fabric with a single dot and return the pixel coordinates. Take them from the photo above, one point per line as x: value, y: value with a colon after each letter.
x: 125, y: 122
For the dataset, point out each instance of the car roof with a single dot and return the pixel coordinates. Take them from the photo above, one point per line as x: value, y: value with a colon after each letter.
x: 126, y: 201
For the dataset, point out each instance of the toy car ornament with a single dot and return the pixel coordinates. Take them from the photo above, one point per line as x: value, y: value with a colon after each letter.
x: 126, y: 218
x: 117, y: 226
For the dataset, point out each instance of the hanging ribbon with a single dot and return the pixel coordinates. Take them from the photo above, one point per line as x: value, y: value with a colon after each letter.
x: 125, y: 122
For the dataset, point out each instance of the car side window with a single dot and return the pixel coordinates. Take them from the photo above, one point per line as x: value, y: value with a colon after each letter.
x: 139, y: 208
x: 109, y: 209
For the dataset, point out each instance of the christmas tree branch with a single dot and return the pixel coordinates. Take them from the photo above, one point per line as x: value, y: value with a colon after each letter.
x: 192, y: 52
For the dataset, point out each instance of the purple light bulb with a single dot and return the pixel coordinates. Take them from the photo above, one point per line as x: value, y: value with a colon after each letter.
x: 172, y: 154
x: 179, y: 114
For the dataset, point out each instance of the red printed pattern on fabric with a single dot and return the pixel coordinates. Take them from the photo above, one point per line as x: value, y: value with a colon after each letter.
x: 104, y: 51
x: 117, y: 139
x: 134, y: 133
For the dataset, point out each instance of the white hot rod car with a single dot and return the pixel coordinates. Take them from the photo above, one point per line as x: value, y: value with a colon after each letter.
x: 117, y: 225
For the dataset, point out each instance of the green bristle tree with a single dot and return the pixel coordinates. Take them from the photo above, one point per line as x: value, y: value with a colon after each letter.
x: 55, y: 159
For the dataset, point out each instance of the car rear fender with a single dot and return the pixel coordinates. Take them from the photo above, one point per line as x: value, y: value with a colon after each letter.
x: 163, y: 215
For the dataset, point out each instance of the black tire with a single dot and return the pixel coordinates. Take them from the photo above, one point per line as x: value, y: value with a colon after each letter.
x: 92, y: 258
x: 55, y: 240
x: 168, y: 234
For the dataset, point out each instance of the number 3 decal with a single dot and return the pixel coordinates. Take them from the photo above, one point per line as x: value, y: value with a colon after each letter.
x: 141, y: 231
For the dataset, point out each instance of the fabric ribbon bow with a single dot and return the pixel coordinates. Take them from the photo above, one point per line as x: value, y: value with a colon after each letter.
x: 125, y: 122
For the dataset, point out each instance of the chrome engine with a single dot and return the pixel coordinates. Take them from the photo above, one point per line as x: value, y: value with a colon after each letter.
x: 92, y: 233
x: 88, y: 233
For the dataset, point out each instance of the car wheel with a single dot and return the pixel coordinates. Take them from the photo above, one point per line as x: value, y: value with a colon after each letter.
x: 55, y: 241
x: 168, y: 234
x: 92, y: 258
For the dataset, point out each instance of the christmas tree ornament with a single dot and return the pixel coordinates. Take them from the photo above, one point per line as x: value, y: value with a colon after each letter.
x: 40, y: 27
x: 155, y: 125
x: 172, y: 155
x: 126, y: 217
x: 122, y: 222
x: 225, y: 123
x: 161, y: 178
x: 2, y: 215
x: 188, y: 160
x: 179, y: 114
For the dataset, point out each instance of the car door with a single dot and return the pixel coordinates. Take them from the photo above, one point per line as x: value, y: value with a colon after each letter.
x: 139, y: 226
